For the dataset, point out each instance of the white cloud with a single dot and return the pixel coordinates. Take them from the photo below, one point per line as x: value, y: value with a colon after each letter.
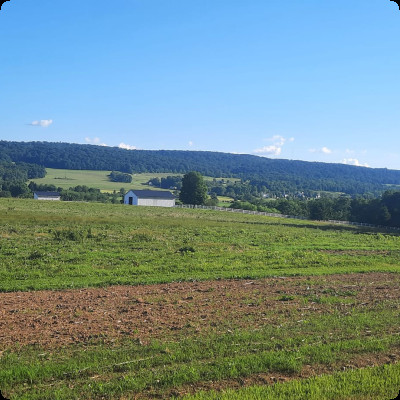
x: 95, y: 141
x: 326, y: 150
x: 92, y: 140
x: 275, y: 148
x: 44, y: 123
x: 126, y: 146
x: 278, y: 140
x: 190, y: 143
x: 353, y: 161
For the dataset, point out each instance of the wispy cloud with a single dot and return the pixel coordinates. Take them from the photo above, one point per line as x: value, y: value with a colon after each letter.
x: 44, y: 123
x: 353, y: 161
x: 190, y: 143
x: 275, y: 148
x: 95, y: 141
x: 126, y: 146
x: 324, y: 150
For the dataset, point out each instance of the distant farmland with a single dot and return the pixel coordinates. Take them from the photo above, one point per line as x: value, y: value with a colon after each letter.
x: 66, y: 178
x: 102, y: 301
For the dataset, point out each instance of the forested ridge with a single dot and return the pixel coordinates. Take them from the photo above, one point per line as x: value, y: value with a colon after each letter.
x: 276, y: 175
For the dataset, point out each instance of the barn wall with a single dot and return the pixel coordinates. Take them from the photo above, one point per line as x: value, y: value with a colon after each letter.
x: 45, y: 198
x: 148, y: 202
x: 157, y: 202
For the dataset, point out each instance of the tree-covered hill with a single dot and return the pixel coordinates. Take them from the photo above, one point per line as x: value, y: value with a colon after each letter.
x: 272, y: 174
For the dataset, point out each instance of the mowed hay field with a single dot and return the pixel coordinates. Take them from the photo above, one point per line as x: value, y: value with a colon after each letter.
x: 102, y: 301
x: 66, y: 178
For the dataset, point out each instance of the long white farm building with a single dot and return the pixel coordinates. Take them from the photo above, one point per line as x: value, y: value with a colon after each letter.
x: 157, y: 198
x: 46, y: 196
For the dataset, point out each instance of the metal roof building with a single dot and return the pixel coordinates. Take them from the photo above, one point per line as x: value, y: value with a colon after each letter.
x: 46, y: 196
x: 156, y: 198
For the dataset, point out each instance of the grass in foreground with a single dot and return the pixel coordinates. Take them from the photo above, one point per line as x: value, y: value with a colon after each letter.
x: 377, y: 383
x: 49, y: 245
x: 55, y: 245
x: 122, y: 369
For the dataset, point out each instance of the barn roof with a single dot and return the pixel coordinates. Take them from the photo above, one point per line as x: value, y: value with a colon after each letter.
x: 153, y: 194
x: 47, y: 194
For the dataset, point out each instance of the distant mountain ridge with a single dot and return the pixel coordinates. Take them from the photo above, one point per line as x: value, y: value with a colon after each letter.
x: 273, y: 174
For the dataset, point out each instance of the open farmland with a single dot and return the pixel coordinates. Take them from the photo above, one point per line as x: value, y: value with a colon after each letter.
x: 66, y: 178
x: 114, y: 302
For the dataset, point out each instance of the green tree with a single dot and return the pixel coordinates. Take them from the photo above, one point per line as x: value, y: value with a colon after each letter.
x: 194, y: 189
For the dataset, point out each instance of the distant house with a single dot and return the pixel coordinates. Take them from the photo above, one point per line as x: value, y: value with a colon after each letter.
x: 157, y: 198
x: 46, y: 196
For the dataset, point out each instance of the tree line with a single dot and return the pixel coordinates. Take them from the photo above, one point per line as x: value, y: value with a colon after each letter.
x: 271, y: 175
x: 384, y: 210
x: 14, y: 177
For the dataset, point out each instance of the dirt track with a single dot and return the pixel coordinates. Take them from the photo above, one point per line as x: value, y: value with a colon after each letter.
x: 54, y: 318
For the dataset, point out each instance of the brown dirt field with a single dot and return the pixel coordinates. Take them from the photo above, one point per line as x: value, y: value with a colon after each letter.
x: 56, y: 318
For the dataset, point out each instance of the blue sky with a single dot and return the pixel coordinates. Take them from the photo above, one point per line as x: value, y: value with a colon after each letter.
x: 308, y: 80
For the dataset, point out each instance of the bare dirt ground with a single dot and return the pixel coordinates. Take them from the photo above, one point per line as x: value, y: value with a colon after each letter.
x: 57, y: 318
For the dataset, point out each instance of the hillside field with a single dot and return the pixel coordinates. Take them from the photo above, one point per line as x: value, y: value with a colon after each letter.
x: 102, y: 301
x: 66, y: 178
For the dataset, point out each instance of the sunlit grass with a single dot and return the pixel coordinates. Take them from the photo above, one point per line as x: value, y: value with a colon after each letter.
x: 50, y: 245
x: 113, y: 370
x: 377, y: 383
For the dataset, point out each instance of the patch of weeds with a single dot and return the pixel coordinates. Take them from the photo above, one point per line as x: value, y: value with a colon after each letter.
x: 35, y: 255
x: 342, y: 293
x: 75, y: 235
x: 187, y: 249
x: 327, y: 299
x: 286, y: 297
x: 142, y: 237
x: 90, y: 234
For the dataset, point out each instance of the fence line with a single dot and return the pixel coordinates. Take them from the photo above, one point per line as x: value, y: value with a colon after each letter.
x: 267, y: 214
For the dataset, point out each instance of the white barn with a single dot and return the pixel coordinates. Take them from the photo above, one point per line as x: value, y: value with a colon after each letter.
x: 46, y: 196
x: 157, y: 198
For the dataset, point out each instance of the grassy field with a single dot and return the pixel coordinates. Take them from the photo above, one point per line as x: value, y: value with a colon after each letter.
x: 66, y: 178
x: 45, y: 246
x: 238, y: 307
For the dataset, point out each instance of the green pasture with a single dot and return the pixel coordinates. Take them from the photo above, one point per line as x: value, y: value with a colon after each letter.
x: 55, y: 245
x: 58, y: 245
x: 225, y: 199
x: 66, y: 178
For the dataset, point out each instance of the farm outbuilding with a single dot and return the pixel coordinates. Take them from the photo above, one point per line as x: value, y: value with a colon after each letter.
x: 157, y: 198
x: 46, y: 196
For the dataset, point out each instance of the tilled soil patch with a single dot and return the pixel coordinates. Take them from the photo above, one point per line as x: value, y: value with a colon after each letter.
x: 56, y: 318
